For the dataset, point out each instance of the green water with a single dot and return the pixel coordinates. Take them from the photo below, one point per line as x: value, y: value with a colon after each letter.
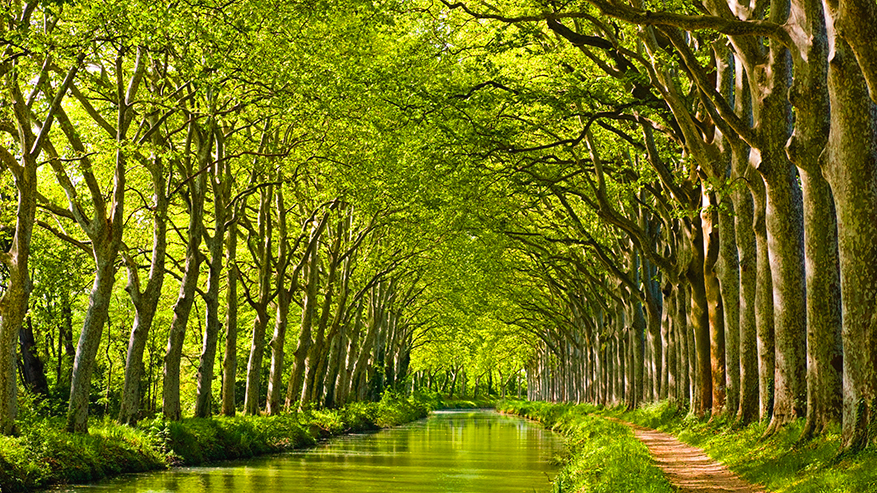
x: 449, y: 452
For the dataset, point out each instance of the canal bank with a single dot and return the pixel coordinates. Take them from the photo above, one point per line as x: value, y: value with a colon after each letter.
x: 453, y: 451
x: 43, y: 454
x: 601, y: 456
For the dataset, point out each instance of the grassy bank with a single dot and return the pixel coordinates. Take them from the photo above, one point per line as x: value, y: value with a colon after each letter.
x: 43, y: 454
x: 602, y: 456
x: 782, y: 462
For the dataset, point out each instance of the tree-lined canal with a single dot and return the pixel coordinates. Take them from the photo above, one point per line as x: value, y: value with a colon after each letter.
x: 449, y: 452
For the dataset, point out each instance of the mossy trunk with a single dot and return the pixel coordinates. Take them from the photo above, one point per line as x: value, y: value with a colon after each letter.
x: 851, y: 170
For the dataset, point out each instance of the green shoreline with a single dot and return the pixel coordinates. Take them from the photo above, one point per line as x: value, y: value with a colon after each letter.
x: 604, y: 456
x: 44, y: 455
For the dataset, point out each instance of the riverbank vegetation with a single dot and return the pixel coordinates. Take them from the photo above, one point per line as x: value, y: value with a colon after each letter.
x: 44, y: 454
x: 780, y: 462
x: 601, y: 455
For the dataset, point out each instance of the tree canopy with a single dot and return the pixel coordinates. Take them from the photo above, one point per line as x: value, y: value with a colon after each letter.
x: 310, y: 203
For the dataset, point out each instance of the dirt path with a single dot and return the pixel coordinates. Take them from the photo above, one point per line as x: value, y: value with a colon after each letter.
x: 689, y: 468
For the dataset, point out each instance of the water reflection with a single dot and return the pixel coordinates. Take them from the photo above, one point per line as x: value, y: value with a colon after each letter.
x: 449, y: 452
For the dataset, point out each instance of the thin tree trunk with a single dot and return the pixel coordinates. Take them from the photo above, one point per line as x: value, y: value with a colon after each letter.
x: 146, y: 302
x: 260, y: 305
x: 230, y: 359
x: 296, y: 381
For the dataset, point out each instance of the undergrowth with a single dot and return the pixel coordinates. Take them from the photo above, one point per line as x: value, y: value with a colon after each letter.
x: 44, y: 454
x: 602, y: 456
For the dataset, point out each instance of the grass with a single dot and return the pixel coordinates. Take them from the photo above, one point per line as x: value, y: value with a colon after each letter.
x: 43, y: 454
x: 781, y: 463
x: 602, y: 455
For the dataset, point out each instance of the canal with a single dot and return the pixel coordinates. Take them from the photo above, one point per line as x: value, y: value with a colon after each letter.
x: 448, y: 452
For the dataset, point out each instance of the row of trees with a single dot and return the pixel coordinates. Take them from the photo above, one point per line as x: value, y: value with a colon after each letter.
x: 187, y: 150
x: 634, y: 204
x: 700, y: 212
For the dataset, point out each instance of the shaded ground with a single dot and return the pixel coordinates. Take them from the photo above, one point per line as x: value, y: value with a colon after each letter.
x: 689, y: 468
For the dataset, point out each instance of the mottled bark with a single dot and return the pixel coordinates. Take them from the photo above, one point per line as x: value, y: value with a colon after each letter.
x: 23, y: 166
x: 220, y: 182
x: 747, y: 255
x: 146, y: 301
x: 764, y: 308
x: 855, y: 21
x: 104, y: 229
x: 699, y: 324
x: 715, y: 308
x: 851, y: 170
x: 283, y: 300
x: 170, y: 406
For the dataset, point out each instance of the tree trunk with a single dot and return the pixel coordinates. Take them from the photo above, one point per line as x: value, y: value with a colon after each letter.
x: 146, y: 302
x: 728, y: 271
x: 260, y: 305
x: 170, y: 406
x: 309, y: 303
x: 748, y: 258
x: 230, y: 359
x: 89, y: 339
x: 699, y: 323
x: 715, y: 309
x: 281, y: 320
x: 32, y: 369
x: 220, y: 179
x: 851, y: 170
x: 764, y: 306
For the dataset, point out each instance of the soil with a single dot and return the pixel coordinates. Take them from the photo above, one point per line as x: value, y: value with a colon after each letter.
x: 689, y: 468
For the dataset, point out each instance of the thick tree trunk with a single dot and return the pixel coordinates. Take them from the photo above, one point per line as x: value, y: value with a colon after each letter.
x: 220, y: 180
x: 204, y: 379
x: 89, y: 339
x: 851, y: 170
x: 275, y: 374
x: 14, y: 299
x: 347, y: 366
x: 699, y: 323
x: 824, y: 346
x: 680, y: 326
x: 281, y: 319
x: 764, y: 307
x: 728, y: 270
x: 715, y: 309
x: 104, y: 229
x: 748, y: 259
x: 170, y: 406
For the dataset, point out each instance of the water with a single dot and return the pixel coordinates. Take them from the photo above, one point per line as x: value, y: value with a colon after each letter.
x: 449, y: 452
